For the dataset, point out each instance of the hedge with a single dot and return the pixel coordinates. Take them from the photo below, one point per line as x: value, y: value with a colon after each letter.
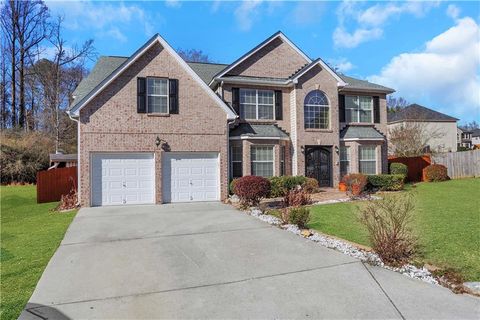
x: 280, y: 185
x: 436, y: 172
x: 386, y: 182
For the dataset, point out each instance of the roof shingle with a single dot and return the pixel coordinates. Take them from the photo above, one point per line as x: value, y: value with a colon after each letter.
x: 416, y: 112
x: 258, y: 131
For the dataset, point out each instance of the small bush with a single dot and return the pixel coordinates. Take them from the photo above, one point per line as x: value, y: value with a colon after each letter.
x: 436, y: 172
x: 386, y: 182
x: 398, y: 168
x: 231, y: 186
x: 68, y: 201
x: 296, y: 198
x: 299, y: 216
x: 311, y: 185
x: 250, y: 189
x: 285, y: 215
x: 388, y: 222
x: 355, y: 182
x: 280, y: 185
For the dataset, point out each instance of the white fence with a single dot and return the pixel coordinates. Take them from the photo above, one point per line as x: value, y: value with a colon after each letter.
x: 460, y: 164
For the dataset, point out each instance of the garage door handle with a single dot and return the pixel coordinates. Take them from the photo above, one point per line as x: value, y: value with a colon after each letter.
x: 124, y: 185
x: 191, y: 182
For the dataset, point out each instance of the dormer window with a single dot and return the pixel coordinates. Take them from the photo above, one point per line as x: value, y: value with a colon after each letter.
x: 257, y: 104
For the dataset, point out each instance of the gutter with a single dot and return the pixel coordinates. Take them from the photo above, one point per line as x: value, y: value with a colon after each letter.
x: 78, y: 157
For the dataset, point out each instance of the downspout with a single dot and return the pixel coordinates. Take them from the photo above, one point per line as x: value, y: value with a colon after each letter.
x: 78, y: 157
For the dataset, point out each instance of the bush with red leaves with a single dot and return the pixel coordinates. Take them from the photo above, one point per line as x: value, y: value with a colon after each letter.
x: 68, y: 201
x: 251, y: 189
x: 296, y: 198
x: 435, y: 172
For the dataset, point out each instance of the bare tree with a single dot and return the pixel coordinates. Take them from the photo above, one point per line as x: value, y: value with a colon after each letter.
x: 4, y: 95
x: 193, y: 55
x: 396, y: 104
x: 59, y: 77
x: 32, y: 28
x: 411, y: 139
x: 471, y: 125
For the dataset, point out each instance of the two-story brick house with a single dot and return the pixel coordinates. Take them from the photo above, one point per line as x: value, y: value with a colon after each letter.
x: 155, y: 129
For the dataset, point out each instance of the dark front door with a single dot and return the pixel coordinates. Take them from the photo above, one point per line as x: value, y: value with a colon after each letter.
x: 318, y: 165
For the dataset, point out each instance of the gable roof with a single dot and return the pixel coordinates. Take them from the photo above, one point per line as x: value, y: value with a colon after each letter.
x: 416, y: 112
x: 79, y: 103
x: 357, y: 84
x: 207, y: 70
x: 476, y: 133
x: 276, y: 35
x: 324, y: 66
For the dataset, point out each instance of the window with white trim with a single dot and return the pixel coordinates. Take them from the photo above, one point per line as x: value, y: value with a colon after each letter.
x: 316, y: 110
x: 344, y: 160
x: 236, y: 161
x: 367, y: 156
x: 157, y: 95
x: 359, y: 109
x: 257, y: 104
x: 262, y: 160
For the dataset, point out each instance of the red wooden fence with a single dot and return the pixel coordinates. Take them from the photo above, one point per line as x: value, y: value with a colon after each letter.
x: 52, y: 184
x: 415, y: 166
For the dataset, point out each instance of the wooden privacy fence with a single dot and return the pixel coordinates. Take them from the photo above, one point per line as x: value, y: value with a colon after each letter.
x: 460, y: 164
x: 415, y: 166
x: 52, y: 184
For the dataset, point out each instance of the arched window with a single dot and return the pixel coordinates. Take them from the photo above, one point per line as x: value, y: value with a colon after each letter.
x: 316, y: 110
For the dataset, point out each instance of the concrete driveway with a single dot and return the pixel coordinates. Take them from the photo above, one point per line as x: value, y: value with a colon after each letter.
x: 207, y: 260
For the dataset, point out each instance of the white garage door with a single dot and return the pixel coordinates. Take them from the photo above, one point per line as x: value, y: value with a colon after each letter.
x: 127, y: 178
x: 189, y: 177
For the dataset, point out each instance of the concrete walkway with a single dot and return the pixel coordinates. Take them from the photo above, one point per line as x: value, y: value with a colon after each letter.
x: 210, y: 261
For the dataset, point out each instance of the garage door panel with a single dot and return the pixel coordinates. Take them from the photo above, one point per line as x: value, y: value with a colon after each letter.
x: 116, y: 179
x: 190, y: 177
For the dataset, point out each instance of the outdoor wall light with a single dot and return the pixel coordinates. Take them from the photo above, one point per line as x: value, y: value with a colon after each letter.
x: 337, y: 150
x: 158, y: 141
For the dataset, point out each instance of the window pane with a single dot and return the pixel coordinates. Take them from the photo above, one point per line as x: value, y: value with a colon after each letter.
x: 236, y: 169
x: 263, y: 169
x: 236, y: 153
x: 367, y: 163
x: 157, y: 104
x: 351, y: 109
x: 265, y: 97
x: 248, y: 111
x: 157, y: 86
x: 262, y: 154
x: 282, y: 160
x: 265, y: 111
x: 366, y: 106
x: 247, y: 96
x: 344, y: 160
x: 316, y: 111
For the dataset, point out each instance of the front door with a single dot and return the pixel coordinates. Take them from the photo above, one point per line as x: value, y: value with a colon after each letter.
x: 318, y: 165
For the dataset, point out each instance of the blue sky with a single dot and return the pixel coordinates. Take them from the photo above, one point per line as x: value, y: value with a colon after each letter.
x: 428, y: 51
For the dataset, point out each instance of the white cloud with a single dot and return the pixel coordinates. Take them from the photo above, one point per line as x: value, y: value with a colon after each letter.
x: 342, y: 38
x: 341, y: 65
x: 307, y: 12
x: 173, y: 3
x: 370, y: 21
x: 246, y: 13
x: 104, y: 18
x: 453, y: 11
x: 444, y: 74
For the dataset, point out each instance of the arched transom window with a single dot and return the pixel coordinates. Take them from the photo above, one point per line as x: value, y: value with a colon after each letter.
x: 316, y: 110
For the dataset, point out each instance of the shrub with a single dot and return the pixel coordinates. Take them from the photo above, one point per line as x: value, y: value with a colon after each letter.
x: 388, y: 222
x: 311, y: 185
x: 299, y: 216
x: 296, y: 198
x: 280, y: 185
x: 387, y: 182
x: 355, y: 182
x: 398, y: 168
x: 250, y: 189
x: 68, y: 201
x: 435, y: 172
x: 231, y: 186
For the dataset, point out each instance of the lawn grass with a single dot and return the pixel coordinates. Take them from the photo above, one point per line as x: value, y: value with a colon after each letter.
x: 30, y: 234
x: 447, y: 223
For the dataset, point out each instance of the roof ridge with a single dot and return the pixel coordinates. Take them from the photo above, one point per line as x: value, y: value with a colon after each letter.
x: 215, y: 63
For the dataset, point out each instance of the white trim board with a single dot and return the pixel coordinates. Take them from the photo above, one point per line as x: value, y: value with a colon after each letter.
x: 155, y: 39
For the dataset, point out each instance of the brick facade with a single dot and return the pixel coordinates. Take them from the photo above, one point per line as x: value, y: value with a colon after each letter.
x: 110, y: 122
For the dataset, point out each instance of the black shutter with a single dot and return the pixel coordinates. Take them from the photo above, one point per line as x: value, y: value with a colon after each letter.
x: 341, y: 107
x: 236, y: 100
x: 141, y: 95
x: 278, y: 105
x: 376, y: 109
x: 173, y: 96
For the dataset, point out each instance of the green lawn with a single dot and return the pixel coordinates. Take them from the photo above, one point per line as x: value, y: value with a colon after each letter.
x: 447, y: 223
x: 30, y: 234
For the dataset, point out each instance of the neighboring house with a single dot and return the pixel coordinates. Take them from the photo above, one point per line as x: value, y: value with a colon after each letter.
x: 440, y: 128
x: 60, y: 160
x: 464, y: 137
x: 155, y: 129
x: 476, y: 138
